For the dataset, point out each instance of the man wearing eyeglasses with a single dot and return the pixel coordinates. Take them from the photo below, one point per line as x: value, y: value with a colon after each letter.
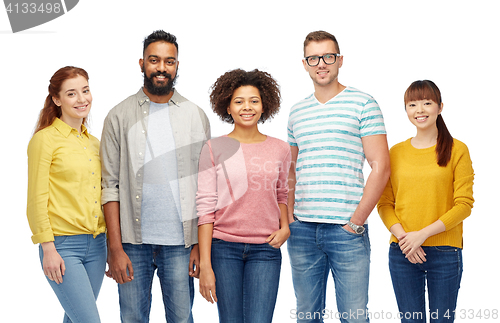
x: 330, y: 133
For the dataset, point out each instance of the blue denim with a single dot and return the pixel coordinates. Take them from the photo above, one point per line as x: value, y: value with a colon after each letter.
x: 315, y: 249
x: 172, y: 265
x: 246, y: 281
x: 442, y: 271
x: 85, y: 261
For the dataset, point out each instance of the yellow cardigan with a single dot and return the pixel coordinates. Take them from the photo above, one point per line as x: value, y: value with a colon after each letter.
x: 420, y: 192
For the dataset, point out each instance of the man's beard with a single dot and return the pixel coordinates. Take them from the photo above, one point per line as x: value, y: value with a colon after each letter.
x: 159, y: 90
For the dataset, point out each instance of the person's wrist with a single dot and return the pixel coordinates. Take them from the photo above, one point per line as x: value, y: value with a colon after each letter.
x: 356, y: 228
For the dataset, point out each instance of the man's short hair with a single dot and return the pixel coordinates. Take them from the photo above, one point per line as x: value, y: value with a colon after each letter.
x: 160, y: 35
x: 318, y: 36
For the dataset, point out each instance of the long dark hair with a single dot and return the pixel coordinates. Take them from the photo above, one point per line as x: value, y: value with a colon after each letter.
x: 428, y: 90
x: 50, y: 110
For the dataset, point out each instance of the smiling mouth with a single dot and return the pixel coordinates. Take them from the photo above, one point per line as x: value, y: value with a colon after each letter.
x: 161, y: 76
x: 421, y: 118
x: 82, y: 107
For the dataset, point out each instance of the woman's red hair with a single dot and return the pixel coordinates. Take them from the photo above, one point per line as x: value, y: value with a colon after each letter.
x: 50, y: 110
x: 428, y: 90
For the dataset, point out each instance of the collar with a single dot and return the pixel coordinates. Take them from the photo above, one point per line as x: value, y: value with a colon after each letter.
x: 143, y: 98
x: 66, y: 129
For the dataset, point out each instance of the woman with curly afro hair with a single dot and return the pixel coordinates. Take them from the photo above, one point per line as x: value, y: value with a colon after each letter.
x: 242, y: 201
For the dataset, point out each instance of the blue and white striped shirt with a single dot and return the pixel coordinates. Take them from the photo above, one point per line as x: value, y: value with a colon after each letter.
x: 329, y: 170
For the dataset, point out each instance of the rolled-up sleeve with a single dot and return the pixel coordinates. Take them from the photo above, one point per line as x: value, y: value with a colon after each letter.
x: 110, y: 161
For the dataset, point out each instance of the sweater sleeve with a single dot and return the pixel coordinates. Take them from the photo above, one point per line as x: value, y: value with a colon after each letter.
x: 282, y: 183
x: 206, y: 196
x: 463, y: 177
x: 386, y: 207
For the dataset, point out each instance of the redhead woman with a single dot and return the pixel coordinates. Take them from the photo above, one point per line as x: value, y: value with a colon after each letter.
x: 427, y: 198
x: 242, y: 201
x: 64, y: 192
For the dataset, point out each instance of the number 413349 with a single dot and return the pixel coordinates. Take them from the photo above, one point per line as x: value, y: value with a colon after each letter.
x: 481, y: 314
x: 33, y: 8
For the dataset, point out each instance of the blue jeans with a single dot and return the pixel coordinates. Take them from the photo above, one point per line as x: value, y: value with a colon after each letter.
x: 172, y: 263
x: 315, y: 249
x: 246, y: 281
x: 85, y: 261
x: 442, y: 271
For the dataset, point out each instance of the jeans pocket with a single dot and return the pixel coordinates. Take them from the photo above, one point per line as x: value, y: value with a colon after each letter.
x: 394, y: 245
x: 216, y: 241
x: 349, y: 232
x: 446, y: 248
x: 59, y: 240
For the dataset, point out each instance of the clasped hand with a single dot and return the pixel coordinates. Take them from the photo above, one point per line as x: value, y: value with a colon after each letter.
x: 410, y: 244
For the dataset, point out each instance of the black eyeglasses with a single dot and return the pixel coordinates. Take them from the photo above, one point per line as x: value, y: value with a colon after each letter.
x: 329, y: 59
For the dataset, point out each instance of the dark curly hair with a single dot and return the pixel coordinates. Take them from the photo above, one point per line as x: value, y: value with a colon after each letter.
x: 224, y: 87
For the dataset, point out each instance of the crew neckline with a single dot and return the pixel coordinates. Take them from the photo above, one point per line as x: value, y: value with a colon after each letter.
x: 433, y: 147
x: 254, y: 143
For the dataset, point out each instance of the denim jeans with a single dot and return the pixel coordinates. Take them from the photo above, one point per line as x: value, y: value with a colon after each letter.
x: 85, y: 261
x: 315, y: 249
x: 246, y: 281
x: 172, y: 265
x: 442, y: 271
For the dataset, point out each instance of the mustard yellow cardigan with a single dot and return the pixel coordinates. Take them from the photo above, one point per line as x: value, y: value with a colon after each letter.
x: 420, y: 192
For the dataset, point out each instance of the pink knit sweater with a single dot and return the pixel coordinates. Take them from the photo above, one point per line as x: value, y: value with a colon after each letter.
x: 240, y: 187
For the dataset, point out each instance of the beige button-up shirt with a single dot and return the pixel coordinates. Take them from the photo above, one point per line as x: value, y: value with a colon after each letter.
x: 123, y: 146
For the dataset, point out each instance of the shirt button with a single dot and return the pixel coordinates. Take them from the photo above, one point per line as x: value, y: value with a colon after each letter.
x: 137, y: 197
x: 84, y: 147
x: 145, y: 112
x: 136, y: 220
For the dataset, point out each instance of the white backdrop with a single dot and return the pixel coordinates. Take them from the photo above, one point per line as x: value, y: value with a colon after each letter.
x: 386, y: 45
